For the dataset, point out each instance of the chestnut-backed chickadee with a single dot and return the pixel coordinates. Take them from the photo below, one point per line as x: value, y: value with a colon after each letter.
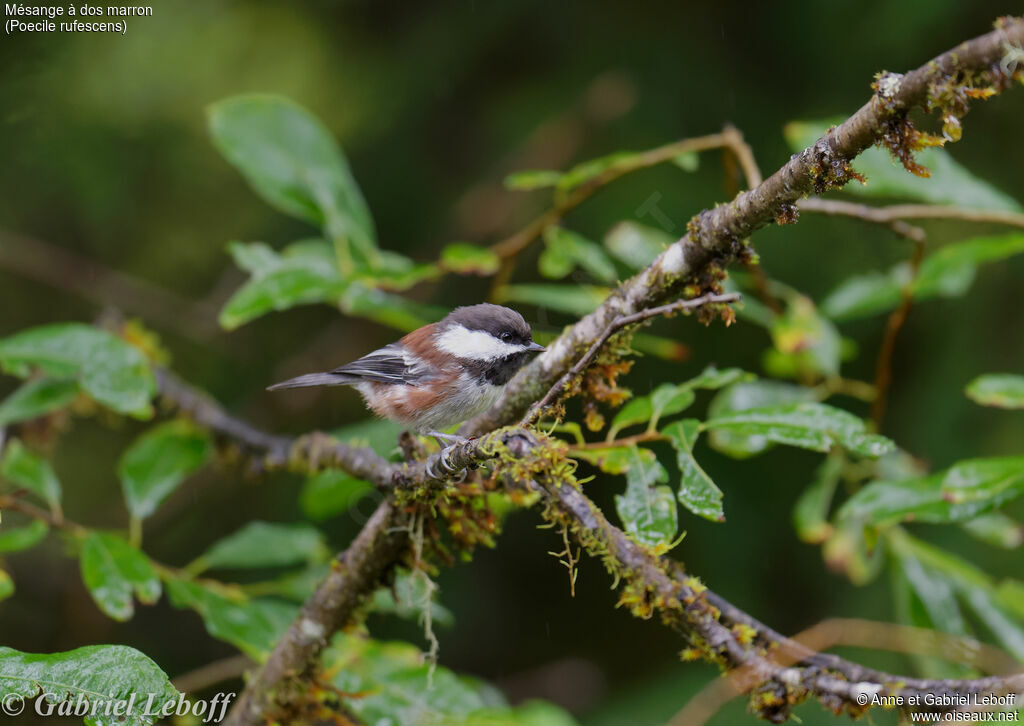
x: 441, y: 374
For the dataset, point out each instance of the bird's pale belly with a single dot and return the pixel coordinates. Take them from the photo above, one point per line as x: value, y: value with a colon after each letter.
x: 425, y: 409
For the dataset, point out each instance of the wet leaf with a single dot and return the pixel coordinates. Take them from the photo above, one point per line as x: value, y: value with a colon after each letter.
x: 648, y: 508
x: 743, y: 396
x: 99, y: 674
x: 964, y: 491
x: 112, y: 570
x: 158, y: 461
x: 697, y: 492
x: 809, y: 425
x: 109, y: 370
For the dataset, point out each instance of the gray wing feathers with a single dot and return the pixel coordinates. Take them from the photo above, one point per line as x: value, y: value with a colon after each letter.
x: 390, y: 364
x: 315, y: 379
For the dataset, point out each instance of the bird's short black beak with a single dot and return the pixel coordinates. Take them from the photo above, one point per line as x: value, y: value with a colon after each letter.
x: 534, y: 347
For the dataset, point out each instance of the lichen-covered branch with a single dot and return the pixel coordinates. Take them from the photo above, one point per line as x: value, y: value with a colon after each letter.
x: 356, y: 572
x: 716, y: 236
x: 781, y: 671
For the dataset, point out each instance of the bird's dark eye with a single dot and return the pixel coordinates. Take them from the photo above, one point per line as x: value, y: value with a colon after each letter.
x: 506, y: 337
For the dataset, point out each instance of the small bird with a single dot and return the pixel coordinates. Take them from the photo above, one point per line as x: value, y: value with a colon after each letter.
x: 441, y: 374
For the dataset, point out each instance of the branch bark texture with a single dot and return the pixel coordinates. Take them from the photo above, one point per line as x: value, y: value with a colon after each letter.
x: 716, y: 236
x: 652, y: 584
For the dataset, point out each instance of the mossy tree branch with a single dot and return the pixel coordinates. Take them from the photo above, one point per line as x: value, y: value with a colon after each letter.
x: 652, y: 584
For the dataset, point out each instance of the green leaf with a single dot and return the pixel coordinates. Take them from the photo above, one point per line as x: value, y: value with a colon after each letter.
x: 98, y: 674
x: 1003, y: 390
x: 407, y: 599
x: 973, y: 586
x: 697, y: 492
x: 687, y: 161
x: 964, y: 491
x: 578, y: 300
x: 251, y: 625
x: 948, y: 272
x: 864, y: 295
x: 950, y: 183
x: 814, y: 426
x: 23, y: 538
x: 991, y: 612
x: 37, y: 398
x: 158, y: 461
x: 593, y: 168
x: 804, y: 340
x: 636, y: 244
x: 109, y: 370
x: 711, y: 378
x: 112, y: 569
x: 330, y: 492
x: 395, y: 686
x: 380, y: 435
x: 25, y: 469
x: 636, y: 410
x: 996, y: 529
x: 565, y: 250
x: 394, y: 271
x: 1011, y: 596
x: 386, y: 308
x: 266, y: 544
x: 304, y: 273
x: 925, y: 599
x: 667, y: 399
x: 611, y: 459
x: 291, y: 160
x: 467, y: 259
x: 743, y: 396
x: 648, y: 508
x: 530, y: 179
x: 810, y: 515
x: 6, y: 585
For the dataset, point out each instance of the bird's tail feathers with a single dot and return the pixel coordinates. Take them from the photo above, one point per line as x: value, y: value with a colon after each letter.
x: 315, y: 379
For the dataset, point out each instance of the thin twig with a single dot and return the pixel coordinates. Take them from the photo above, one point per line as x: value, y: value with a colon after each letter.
x: 562, y: 385
x: 211, y: 674
x: 883, y: 367
x: 713, y: 236
x: 66, y: 270
x: 853, y: 632
x: 513, y: 245
x: 893, y: 214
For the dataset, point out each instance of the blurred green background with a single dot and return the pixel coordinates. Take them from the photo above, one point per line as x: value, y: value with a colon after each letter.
x: 106, y: 157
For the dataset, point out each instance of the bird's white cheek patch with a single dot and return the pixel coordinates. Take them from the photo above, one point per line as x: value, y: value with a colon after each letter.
x: 474, y: 344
